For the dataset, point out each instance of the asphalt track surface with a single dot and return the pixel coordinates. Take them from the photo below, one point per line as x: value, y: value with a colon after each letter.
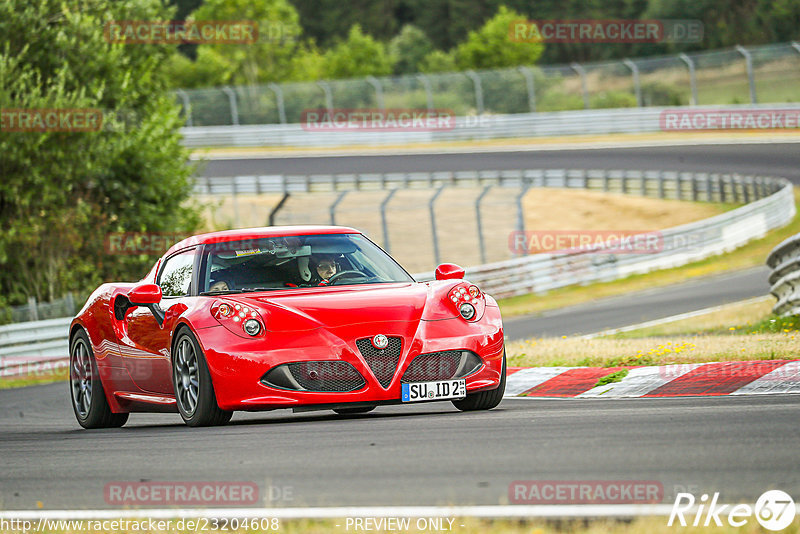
x: 432, y: 454
x: 406, y: 455
x: 778, y: 159
x: 641, y: 306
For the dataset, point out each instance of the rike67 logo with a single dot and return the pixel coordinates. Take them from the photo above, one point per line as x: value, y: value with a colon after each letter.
x: 774, y: 510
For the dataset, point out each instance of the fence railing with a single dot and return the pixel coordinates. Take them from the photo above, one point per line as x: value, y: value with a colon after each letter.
x: 523, y: 125
x: 769, y: 73
x: 36, y: 311
x: 710, y: 187
x: 679, y: 245
x: 769, y: 204
x: 784, y: 260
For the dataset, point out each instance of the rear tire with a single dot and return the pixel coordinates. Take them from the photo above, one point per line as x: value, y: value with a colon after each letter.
x: 194, y: 391
x: 89, y: 401
x: 354, y: 411
x: 484, y: 400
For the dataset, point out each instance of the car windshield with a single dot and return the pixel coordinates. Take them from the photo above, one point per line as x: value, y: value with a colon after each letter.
x: 296, y: 261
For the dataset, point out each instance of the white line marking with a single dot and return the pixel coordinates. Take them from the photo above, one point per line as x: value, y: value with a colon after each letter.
x: 500, y: 511
x: 673, y: 318
x: 319, y: 152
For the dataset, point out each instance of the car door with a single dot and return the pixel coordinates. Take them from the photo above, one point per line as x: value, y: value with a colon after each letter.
x: 146, y: 349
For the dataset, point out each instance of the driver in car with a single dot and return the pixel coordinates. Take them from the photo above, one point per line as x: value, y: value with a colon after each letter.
x: 325, y: 267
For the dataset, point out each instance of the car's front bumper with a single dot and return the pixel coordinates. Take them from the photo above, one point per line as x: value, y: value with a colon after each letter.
x: 238, y: 369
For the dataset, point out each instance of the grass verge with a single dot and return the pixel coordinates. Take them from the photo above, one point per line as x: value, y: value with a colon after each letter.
x: 750, y: 255
x: 59, y: 375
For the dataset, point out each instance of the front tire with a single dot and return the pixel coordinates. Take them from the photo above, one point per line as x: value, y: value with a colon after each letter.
x: 86, y: 390
x: 484, y: 400
x: 194, y: 392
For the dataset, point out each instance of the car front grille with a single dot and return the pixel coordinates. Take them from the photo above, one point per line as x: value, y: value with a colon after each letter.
x: 382, y: 362
x: 442, y: 365
x: 332, y: 376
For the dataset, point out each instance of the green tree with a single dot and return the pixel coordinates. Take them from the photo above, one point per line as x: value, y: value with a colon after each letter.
x: 359, y: 55
x: 408, y: 48
x: 279, y: 53
x: 491, y: 46
x: 63, y: 193
x: 438, y: 61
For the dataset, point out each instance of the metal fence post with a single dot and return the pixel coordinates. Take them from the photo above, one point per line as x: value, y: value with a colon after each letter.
x: 336, y: 202
x: 636, y: 85
x: 374, y: 82
x: 384, y: 203
x: 479, y: 221
x: 692, y: 77
x: 426, y: 83
x: 521, y: 214
x: 234, y: 107
x: 274, y: 212
x: 433, y: 223
x: 187, y: 106
x: 326, y: 88
x: 33, y: 312
x: 279, y: 99
x: 748, y: 58
x: 660, y: 184
x: 584, y: 87
x: 476, y: 81
x: 529, y: 82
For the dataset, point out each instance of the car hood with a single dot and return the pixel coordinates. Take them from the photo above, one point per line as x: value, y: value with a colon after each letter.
x: 333, y: 307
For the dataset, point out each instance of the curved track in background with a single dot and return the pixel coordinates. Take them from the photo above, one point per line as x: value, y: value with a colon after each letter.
x: 779, y: 159
x: 432, y: 454
x: 772, y: 159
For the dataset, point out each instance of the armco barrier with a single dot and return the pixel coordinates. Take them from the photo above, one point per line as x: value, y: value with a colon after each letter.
x: 770, y: 204
x: 520, y: 125
x: 784, y: 260
x: 681, y: 245
x: 28, y: 347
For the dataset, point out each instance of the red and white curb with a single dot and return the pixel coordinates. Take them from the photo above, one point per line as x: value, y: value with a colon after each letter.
x: 680, y: 380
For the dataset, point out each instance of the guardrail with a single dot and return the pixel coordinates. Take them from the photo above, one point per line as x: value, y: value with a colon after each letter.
x: 784, y: 260
x: 36, y: 346
x: 467, y: 128
x: 770, y: 204
x: 679, y: 245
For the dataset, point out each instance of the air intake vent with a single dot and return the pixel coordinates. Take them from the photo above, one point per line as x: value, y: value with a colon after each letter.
x: 332, y: 376
x: 382, y: 362
x: 442, y: 366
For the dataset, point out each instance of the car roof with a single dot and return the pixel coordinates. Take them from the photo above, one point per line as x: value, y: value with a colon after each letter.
x: 258, y: 233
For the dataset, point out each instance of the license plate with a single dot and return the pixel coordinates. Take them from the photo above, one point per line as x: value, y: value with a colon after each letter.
x: 443, y: 389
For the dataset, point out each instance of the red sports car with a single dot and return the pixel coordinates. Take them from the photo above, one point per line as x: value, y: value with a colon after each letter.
x: 298, y: 317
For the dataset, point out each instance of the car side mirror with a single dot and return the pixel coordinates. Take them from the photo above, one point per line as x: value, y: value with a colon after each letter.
x: 144, y: 295
x: 449, y: 271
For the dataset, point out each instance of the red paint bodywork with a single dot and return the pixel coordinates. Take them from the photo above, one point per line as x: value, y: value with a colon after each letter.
x: 301, y: 324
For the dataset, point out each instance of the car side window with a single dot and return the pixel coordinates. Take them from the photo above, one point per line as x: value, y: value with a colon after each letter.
x: 176, y: 274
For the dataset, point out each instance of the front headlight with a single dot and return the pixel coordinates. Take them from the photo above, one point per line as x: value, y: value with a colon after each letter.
x: 252, y: 327
x: 239, y: 318
x: 468, y: 301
